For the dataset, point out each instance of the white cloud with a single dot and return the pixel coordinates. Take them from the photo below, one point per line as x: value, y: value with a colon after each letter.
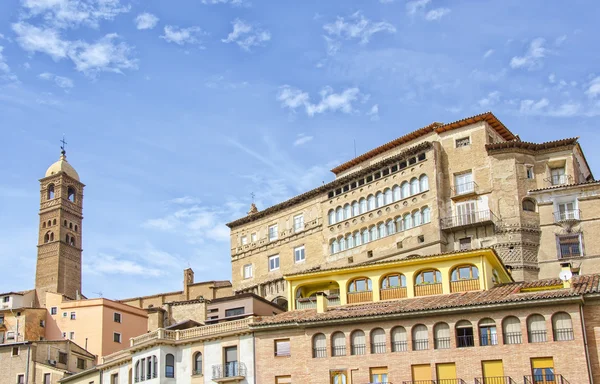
x: 232, y: 2
x: 560, y: 40
x: 488, y: 53
x: 357, y: 27
x: 294, y: 98
x: 543, y: 107
x: 184, y: 200
x: 104, y: 264
x: 593, y: 88
x: 533, y: 57
x: 181, y: 36
x: 73, y: 13
x: 3, y: 66
x: 552, y: 78
x: 246, y: 35
x: 60, y: 81
x: 374, y: 112
x: 533, y: 107
x: 105, y: 55
x: 413, y: 7
x: 491, y: 99
x: 436, y: 14
x: 146, y: 21
x: 302, y: 139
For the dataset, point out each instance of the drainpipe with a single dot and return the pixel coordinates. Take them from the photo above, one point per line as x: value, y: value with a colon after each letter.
x: 585, y: 343
x: 254, y: 357
x: 27, y: 363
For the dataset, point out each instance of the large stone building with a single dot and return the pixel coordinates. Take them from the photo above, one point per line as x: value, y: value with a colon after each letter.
x: 441, y: 188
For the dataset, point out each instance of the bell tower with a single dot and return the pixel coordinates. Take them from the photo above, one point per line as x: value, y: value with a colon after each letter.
x: 58, y: 266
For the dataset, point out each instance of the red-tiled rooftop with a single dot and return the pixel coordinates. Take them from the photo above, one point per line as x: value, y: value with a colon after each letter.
x: 573, y: 185
x: 532, y: 146
x: 502, y: 294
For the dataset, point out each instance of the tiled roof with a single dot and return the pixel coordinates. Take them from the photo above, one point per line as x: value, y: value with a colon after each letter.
x: 502, y: 294
x: 434, y: 127
x: 531, y: 146
x: 326, y: 187
x: 591, y: 182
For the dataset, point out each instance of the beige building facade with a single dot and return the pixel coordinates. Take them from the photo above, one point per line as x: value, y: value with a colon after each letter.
x: 442, y: 188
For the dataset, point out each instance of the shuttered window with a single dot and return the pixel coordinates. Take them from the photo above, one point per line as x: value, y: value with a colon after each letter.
x: 282, y: 347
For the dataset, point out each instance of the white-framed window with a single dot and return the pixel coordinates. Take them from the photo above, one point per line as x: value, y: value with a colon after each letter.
x: 273, y: 234
x: 567, y: 211
x: 244, y: 240
x: 47, y: 378
x: 463, y: 183
x: 53, y: 310
x: 463, y: 142
x: 558, y: 176
x: 6, y: 299
x: 273, y: 262
x: 299, y: 254
x: 298, y: 222
x: 73, y: 316
x: 117, y: 317
x: 65, y: 314
x: 253, y: 237
x: 10, y: 336
x: 529, y: 172
x: 15, y: 351
x: 71, y: 335
x: 117, y: 337
x: 20, y: 379
x: 466, y: 212
x: 247, y: 271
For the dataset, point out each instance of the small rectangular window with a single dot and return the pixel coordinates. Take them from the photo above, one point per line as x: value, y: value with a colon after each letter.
x: 1, y: 319
x: 114, y: 378
x: 273, y: 262
x: 346, y: 188
x: 465, y: 243
x: 247, y: 271
x: 385, y: 172
x: 377, y: 175
x: 6, y: 299
x: 402, y: 164
x: 412, y: 160
x: 529, y: 172
x: 117, y: 337
x: 42, y: 323
x: 46, y: 378
x: 20, y: 379
x: 394, y: 168
x: 273, y: 233
x: 62, y: 358
x: 72, y: 315
x: 298, y: 223
x: 331, y: 194
x: 244, y: 240
x: 299, y: 255
x: 253, y: 237
x: 421, y: 156
x: 53, y: 311
x: 117, y: 317
x: 282, y: 347
x: 569, y: 246
x: 369, y: 178
x: 284, y: 379
x: 353, y: 185
x: 234, y: 312
x: 65, y: 314
x: 15, y: 351
x: 80, y: 363
x: 71, y: 335
x: 10, y: 336
x: 463, y: 142
x: 361, y: 182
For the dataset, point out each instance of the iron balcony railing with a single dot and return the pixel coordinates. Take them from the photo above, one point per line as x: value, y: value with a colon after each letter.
x: 419, y: 382
x: 464, y: 188
x: 537, y: 336
x: 548, y: 378
x: 358, y: 349
x: 563, y: 334
x: 319, y: 352
x: 495, y: 380
x: 420, y: 344
x: 450, y: 381
x: 378, y: 347
x: 513, y: 338
x: 465, y: 341
x: 559, y: 179
x: 338, y: 351
x: 442, y: 342
x: 399, y: 346
x: 568, y: 215
x: 485, y: 340
x: 231, y: 369
x: 467, y: 219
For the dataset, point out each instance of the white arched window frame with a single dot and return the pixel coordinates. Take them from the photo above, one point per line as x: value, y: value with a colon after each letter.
x: 407, y: 221
x: 381, y: 231
x: 562, y: 326
x: 339, y: 214
x: 405, y: 189
x: 388, y: 196
x: 380, y: 199
x: 355, y: 208
x: 350, y: 241
x: 399, y: 339
x: 391, y: 227
x: 511, y: 328
x: 363, y: 205
x: 365, y: 236
x: 424, y: 183
x: 331, y: 217
x: 347, y: 211
x: 399, y: 224
x: 396, y: 193
x: 426, y: 215
x: 357, y: 343
x: 536, y: 329
x: 414, y: 186
x: 373, y: 231
x: 442, y: 336
x: 335, y: 246
x: 378, y: 341
x: 416, y: 218
x: 357, y: 239
x: 342, y: 244
x: 371, y: 202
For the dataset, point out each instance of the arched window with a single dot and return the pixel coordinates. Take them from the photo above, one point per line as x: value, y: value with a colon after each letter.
x: 342, y: 244
x: 371, y: 204
x: 396, y: 280
x: 331, y: 216
x: 424, y: 183
x: 429, y: 276
x: 405, y: 189
x: 391, y: 227
x: 47, y: 237
x: 67, y: 237
x: 49, y: 223
x: 487, y: 332
x: 396, y: 192
x: 137, y: 371
x: 361, y: 284
x: 54, y: 222
x: 414, y: 186
x: 347, y: 211
x: 72, y: 240
x: 357, y: 239
x: 363, y: 205
x: 441, y: 336
x: 562, y: 327
x: 149, y: 370
x: 169, y: 365
x: 407, y: 221
x: 155, y: 366
x: 464, y: 334
x: 51, y: 236
x: 65, y: 223
x: 338, y: 344
x: 426, y: 215
x: 198, y: 363
x: 365, y: 236
x: 339, y: 214
x: 44, y: 224
x: 416, y: 218
x: 388, y: 196
x: 358, y: 343
x: 373, y: 234
x: 380, y: 199
x: 71, y: 194
x: 382, y: 232
x: 335, y: 246
x: 399, y: 339
x: 536, y: 329
x: 399, y: 224
x: 355, y: 208
x: 420, y: 338
x: 50, y: 194
x: 528, y: 205
x: 75, y: 227
x: 70, y: 225
x: 465, y: 272
x: 378, y: 341
x: 319, y: 343
x: 511, y: 329
x: 350, y: 241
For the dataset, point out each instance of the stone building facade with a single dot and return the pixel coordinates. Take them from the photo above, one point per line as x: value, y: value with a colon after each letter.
x: 442, y: 188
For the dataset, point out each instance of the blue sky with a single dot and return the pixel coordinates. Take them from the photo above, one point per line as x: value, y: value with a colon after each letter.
x: 176, y: 111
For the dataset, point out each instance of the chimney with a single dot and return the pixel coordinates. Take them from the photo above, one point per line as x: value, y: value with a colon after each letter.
x: 566, y: 271
x: 321, y: 302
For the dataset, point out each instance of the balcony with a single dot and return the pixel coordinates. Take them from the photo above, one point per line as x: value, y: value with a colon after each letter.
x: 569, y: 216
x: 513, y: 338
x: 393, y: 293
x: 234, y: 371
x: 465, y: 189
x: 559, y: 180
x: 464, y: 285
x: 311, y: 302
x: 495, y: 380
x: 442, y: 342
x: 440, y: 381
x: 537, y: 336
x: 360, y: 297
x: 428, y: 289
x: 472, y: 219
x: 548, y: 378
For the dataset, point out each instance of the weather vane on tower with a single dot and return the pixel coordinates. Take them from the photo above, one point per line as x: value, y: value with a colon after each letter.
x: 62, y: 147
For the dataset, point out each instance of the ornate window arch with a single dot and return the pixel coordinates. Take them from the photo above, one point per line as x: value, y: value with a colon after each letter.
x: 71, y: 194
x: 50, y: 192
x: 464, y: 272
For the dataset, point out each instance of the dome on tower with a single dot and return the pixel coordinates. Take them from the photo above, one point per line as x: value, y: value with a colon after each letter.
x: 62, y: 166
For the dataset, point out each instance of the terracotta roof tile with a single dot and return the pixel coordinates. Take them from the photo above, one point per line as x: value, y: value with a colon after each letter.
x: 501, y: 294
x: 591, y: 182
x: 531, y: 146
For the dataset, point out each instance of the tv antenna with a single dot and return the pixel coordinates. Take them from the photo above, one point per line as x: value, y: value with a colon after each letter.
x: 565, y: 275
x: 98, y: 293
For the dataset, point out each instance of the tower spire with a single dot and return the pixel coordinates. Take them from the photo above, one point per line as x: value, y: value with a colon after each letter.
x: 63, y: 151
